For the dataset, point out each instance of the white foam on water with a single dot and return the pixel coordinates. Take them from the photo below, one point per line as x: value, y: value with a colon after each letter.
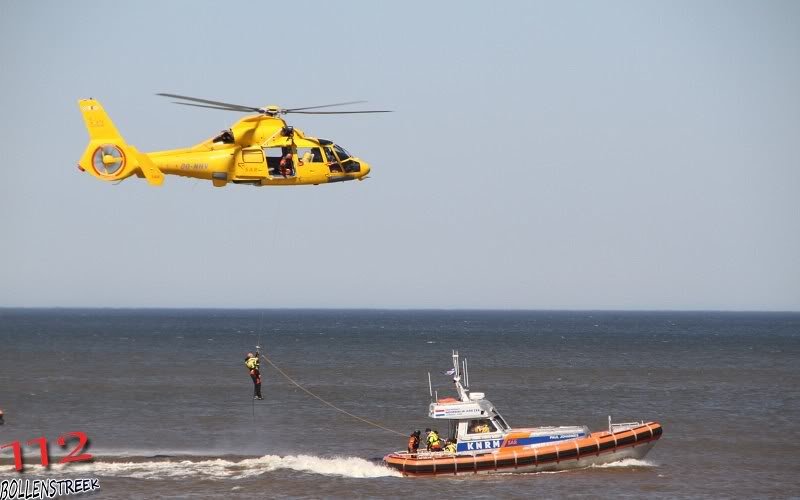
x: 627, y: 462
x: 229, y: 469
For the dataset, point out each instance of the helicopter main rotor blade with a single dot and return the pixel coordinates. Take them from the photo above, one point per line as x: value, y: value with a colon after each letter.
x: 207, y: 106
x: 232, y: 107
x: 338, y: 112
x: 227, y: 106
x: 292, y: 110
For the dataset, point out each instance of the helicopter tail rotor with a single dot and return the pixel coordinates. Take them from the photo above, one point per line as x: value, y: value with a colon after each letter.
x: 107, y: 155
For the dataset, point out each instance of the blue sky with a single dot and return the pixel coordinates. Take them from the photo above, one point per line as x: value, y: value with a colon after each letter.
x: 578, y: 155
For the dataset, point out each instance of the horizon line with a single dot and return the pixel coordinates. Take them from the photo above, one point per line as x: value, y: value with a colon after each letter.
x: 396, y: 309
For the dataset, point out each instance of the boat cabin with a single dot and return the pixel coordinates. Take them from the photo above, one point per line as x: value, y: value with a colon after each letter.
x: 476, y: 425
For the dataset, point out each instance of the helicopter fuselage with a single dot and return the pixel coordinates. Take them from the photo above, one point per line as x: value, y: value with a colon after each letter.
x: 260, y: 150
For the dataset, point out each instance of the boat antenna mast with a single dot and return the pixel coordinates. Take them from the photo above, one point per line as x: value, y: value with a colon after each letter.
x: 463, y: 394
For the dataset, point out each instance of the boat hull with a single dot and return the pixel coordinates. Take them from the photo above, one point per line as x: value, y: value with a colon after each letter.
x: 595, y: 449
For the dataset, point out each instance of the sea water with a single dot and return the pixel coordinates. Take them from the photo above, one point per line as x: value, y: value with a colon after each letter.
x: 166, y: 401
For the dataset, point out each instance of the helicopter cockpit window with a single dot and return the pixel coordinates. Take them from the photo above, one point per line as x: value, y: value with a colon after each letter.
x: 226, y: 137
x: 347, y: 162
x: 333, y: 163
x: 341, y: 153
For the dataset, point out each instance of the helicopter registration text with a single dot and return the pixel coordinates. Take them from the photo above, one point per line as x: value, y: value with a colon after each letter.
x: 194, y: 166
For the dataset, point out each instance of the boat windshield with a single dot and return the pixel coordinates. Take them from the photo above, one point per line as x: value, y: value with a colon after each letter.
x: 502, y: 423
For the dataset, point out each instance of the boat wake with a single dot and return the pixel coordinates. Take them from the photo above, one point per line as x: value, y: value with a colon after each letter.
x: 627, y: 462
x: 228, y: 468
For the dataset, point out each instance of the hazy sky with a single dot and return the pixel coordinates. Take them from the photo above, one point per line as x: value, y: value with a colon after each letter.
x: 641, y: 155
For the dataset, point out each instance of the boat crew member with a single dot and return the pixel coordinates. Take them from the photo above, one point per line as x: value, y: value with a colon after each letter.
x: 451, y: 446
x: 433, y: 441
x: 481, y: 426
x: 251, y: 362
x: 2, y: 421
x: 413, y: 442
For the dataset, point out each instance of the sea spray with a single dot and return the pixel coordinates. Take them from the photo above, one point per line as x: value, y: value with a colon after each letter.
x: 220, y: 468
x: 627, y: 462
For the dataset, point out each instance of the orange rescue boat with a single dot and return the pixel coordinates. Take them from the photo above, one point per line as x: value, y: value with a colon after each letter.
x: 485, y: 443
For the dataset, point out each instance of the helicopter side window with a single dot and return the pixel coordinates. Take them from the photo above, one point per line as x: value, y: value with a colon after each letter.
x: 252, y: 156
x: 309, y: 155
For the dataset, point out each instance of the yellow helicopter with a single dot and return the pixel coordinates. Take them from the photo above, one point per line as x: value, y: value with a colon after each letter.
x: 260, y: 150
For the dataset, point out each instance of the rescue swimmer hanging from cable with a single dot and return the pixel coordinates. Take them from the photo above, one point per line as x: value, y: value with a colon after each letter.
x: 260, y: 150
x: 251, y: 362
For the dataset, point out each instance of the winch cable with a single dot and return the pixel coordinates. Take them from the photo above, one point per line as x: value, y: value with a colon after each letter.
x: 258, y: 348
x: 290, y: 379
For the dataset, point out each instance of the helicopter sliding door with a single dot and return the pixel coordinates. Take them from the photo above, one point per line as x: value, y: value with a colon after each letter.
x: 250, y: 164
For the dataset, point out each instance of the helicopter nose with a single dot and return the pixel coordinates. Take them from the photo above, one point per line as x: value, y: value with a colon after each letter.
x: 364, y: 170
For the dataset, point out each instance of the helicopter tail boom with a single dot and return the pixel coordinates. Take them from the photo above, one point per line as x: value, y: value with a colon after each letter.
x: 108, y: 156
